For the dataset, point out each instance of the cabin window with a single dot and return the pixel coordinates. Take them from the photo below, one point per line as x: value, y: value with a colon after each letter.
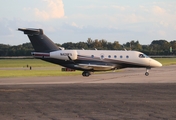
x: 92, y: 56
x: 109, y: 56
x: 121, y: 56
x: 127, y: 56
x: 102, y: 56
x: 115, y: 56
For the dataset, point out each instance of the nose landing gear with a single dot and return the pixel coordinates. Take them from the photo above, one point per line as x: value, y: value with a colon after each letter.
x: 86, y: 74
x: 147, y: 71
x: 146, y: 74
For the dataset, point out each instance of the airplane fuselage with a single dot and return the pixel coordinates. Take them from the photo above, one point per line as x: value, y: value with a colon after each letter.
x: 86, y: 60
x: 98, y: 60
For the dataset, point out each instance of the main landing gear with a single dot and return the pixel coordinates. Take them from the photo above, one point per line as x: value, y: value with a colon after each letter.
x: 147, y: 71
x: 86, y: 74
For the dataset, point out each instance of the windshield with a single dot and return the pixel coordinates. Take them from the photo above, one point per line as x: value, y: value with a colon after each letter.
x: 143, y: 56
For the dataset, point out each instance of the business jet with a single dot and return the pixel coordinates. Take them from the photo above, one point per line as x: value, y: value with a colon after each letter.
x: 87, y: 61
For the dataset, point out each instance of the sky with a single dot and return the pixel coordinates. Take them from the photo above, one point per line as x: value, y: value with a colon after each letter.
x: 77, y: 20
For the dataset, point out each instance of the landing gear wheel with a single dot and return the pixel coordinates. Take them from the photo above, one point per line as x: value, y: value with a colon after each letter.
x: 146, y: 74
x: 83, y: 74
x: 147, y: 71
x: 86, y: 74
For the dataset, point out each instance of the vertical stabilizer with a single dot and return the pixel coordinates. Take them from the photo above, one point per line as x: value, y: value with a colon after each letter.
x: 39, y: 40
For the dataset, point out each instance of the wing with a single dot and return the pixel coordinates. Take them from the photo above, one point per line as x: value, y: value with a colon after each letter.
x: 95, y: 67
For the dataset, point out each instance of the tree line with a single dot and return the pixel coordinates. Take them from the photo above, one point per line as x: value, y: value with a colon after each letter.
x: 157, y: 47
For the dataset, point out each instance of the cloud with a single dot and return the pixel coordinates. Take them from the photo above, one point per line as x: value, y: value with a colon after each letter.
x: 74, y: 24
x: 158, y: 10
x: 122, y: 8
x: 41, y: 14
x: 54, y: 9
x: 4, y: 28
x: 162, y: 33
x: 93, y: 7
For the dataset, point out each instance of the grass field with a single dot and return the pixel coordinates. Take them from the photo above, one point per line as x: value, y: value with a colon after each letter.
x: 24, y: 63
x: 18, y: 67
x: 166, y: 61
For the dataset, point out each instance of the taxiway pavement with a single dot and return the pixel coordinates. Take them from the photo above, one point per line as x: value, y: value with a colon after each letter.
x: 166, y: 74
x: 122, y: 95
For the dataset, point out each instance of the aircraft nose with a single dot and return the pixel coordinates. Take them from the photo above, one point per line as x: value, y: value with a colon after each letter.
x: 154, y: 63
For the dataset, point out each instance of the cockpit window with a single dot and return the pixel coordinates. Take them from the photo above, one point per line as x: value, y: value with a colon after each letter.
x: 143, y: 56
x: 146, y: 56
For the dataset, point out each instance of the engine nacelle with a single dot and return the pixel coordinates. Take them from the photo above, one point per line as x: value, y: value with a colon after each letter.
x: 63, y: 54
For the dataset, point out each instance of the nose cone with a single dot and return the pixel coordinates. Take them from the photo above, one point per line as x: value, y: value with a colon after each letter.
x: 154, y: 63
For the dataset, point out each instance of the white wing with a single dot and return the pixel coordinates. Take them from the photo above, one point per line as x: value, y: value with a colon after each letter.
x: 95, y: 67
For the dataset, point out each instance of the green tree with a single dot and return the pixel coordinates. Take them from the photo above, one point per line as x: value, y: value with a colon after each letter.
x: 160, y: 47
x: 69, y: 45
x: 116, y: 45
x: 173, y: 45
x: 81, y: 45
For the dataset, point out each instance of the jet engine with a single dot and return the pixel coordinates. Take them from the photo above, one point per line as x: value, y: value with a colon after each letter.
x: 64, y: 54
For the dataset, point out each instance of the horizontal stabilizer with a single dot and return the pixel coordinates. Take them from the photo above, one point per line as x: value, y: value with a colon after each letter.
x: 30, y: 31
